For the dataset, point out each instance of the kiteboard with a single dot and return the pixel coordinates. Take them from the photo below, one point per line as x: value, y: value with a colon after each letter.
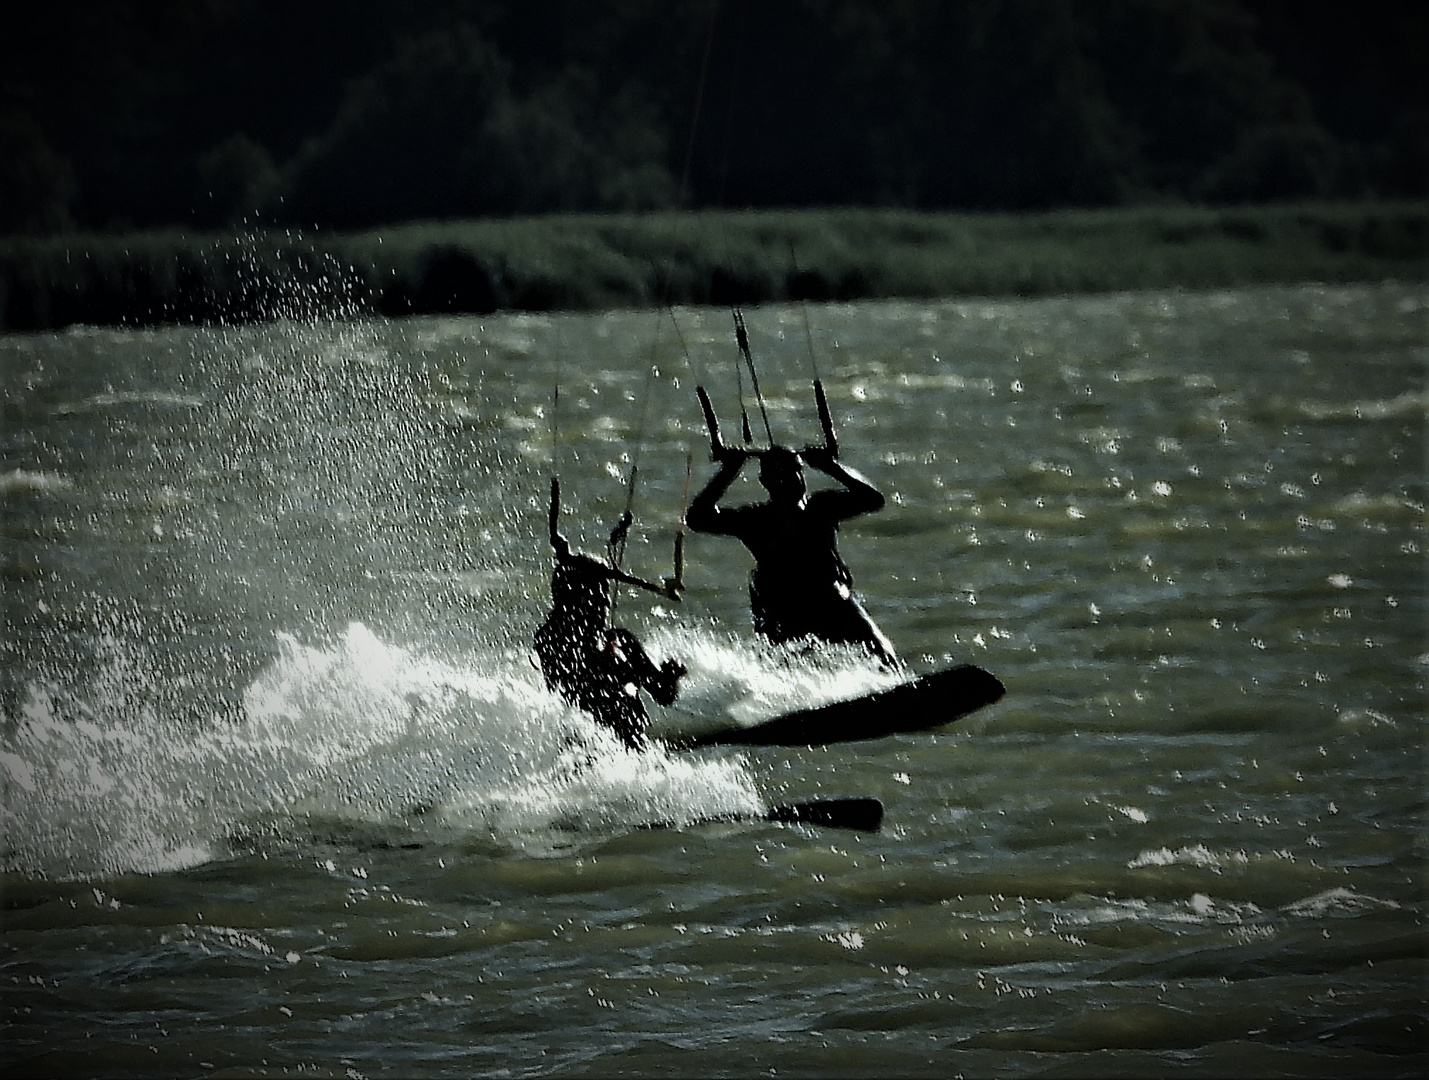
x: 921, y: 704
x: 862, y: 814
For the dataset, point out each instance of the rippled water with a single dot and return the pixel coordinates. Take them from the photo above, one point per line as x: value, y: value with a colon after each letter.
x: 284, y: 795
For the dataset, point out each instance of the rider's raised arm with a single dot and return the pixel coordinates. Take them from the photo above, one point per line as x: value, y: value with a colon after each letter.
x: 559, y: 542
x: 704, y: 514
x: 858, y: 497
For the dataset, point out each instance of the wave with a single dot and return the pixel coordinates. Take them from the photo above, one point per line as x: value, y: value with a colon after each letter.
x: 361, y: 741
x: 1409, y: 403
x: 165, y: 399
x: 28, y: 482
x: 1197, y: 855
x: 1338, y: 901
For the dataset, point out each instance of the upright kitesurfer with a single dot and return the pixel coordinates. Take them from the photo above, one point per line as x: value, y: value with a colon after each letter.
x: 594, y: 666
x: 800, y: 586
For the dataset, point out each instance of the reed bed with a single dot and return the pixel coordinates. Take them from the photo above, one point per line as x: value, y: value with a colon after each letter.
x: 591, y: 262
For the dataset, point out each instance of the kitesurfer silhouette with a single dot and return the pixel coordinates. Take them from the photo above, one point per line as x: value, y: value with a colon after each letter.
x: 594, y: 666
x: 800, y: 587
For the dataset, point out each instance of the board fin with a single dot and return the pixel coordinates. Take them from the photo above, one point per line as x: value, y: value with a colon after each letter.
x: 860, y: 814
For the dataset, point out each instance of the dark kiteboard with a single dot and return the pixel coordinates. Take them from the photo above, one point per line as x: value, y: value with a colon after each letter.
x: 922, y: 704
x: 862, y: 814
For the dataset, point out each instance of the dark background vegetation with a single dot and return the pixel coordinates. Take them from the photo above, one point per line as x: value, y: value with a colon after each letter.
x: 347, y: 114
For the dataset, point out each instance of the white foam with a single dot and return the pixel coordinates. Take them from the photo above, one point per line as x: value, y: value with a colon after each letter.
x: 1197, y: 855
x: 26, y: 481
x: 354, y: 731
x: 1339, y: 901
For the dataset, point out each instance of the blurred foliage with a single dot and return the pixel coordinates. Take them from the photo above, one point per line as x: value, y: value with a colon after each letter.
x: 36, y: 184
x: 354, y: 113
x: 597, y: 261
x: 233, y: 177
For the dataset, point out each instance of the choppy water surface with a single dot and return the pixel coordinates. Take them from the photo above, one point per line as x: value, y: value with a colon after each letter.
x: 283, y: 793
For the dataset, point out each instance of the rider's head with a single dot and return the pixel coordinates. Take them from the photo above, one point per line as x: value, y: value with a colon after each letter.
x: 580, y: 585
x: 782, y: 474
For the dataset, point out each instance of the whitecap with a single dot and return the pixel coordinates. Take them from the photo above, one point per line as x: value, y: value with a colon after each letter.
x: 1197, y: 855
x: 1363, y: 719
x: 1409, y: 403
x: 165, y: 399
x: 1339, y: 901
x: 26, y: 482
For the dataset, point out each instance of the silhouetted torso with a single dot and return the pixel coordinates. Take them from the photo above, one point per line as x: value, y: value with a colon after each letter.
x: 800, y: 586
x: 596, y: 667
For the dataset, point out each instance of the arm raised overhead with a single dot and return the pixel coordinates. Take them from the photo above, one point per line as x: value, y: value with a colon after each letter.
x: 559, y: 542
x: 704, y: 514
x: 859, y: 495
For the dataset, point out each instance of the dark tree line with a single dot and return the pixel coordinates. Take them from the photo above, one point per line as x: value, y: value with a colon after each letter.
x: 348, y: 113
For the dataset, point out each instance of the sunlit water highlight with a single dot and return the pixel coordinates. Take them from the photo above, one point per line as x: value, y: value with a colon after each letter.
x: 283, y: 791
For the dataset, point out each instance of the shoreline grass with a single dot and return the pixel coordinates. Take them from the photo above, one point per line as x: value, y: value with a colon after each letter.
x: 594, y: 262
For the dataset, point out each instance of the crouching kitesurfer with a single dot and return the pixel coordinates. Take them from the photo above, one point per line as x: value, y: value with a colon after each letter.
x: 594, y: 666
x: 800, y: 586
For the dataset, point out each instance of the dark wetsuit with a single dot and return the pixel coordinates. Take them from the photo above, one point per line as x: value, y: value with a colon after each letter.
x: 596, y: 667
x: 800, y: 587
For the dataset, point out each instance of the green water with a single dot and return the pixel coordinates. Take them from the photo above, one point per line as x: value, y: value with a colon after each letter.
x: 270, y: 590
